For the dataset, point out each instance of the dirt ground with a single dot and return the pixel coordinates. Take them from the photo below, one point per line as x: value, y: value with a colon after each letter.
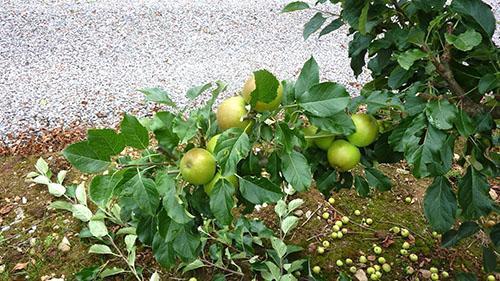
x: 31, y: 233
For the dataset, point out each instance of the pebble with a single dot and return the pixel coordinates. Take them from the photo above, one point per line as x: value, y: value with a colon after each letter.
x: 64, y: 246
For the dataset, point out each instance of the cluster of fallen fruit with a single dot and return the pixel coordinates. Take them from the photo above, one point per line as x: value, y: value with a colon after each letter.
x: 198, y: 165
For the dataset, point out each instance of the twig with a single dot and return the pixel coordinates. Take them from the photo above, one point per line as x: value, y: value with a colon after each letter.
x: 222, y: 268
x: 403, y: 226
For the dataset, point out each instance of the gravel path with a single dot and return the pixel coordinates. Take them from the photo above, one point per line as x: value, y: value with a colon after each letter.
x: 81, y: 61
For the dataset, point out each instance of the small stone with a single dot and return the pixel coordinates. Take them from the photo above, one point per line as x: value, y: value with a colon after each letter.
x: 2, y: 268
x: 32, y: 242
x: 426, y: 274
x: 64, y: 246
x: 55, y: 227
x: 24, y: 200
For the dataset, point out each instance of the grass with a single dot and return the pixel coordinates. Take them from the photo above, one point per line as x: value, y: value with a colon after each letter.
x: 39, y: 249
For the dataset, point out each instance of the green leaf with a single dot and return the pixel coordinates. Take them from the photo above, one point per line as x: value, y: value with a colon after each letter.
x: 294, y: 204
x: 440, y: 204
x: 464, y: 124
x: 106, y: 141
x: 162, y: 126
x: 409, y: 57
x: 495, y: 235
x: 296, y: 170
x: 477, y: 10
x: 111, y: 272
x: 489, y: 259
x: 157, y: 95
x: 398, y: 77
x: 488, y: 82
x: 325, y: 99
x: 172, y: 203
x: 281, y: 208
x: 133, y: 133
x: 197, y: 91
x: 309, y: 76
x: 86, y: 158
x: 285, y: 136
x: 185, y: 129
x: 313, y: 25
x: 464, y: 41
x: 186, y: 243
x: 87, y: 274
x: 380, y: 61
x: 339, y: 123
x: 266, y: 87
x: 377, y: 100
x: 81, y: 212
x: 288, y: 224
x: 473, y: 195
x: 98, y: 228
x: 279, y: 246
x: 100, y: 249
x: 145, y: 193
x: 363, y: 18
x: 441, y: 114
x: 61, y: 205
x: 326, y: 181
x: 377, y: 179
x: 452, y: 237
x: 463, y: 276
x: 331, y: 27
x: 295, y: 6
x: 259, y: 190
x: 41, y: 166
x: 222, y: 201
x: 232, y: 146
x: 163, y: 251
x: 102, y: 187
x: 361, y: 185
x: 193, y: 265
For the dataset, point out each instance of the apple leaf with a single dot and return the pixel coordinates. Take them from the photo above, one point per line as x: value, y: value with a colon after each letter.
x: 266, y: 87
x: 259, y: 190
x: 309, y: 76
x: 157, y: 95
x: 332, y: 26
x: 464, y: 124
x: 325, y: 99
x: 377, y: 179
x: 295, y: 6
x: 197, y: 91
x: 473, y: 195
x: 361, y: 185
x: 133, y: 133
x: 296, y: 170
x: 313, y: 25
x: 86, y: 158
x: 162, y: 126
x: 232, y: 146
x: 340, y: 123
x: 440, y: 204
x: 488, y: 82
x: 172, y: 203
x: 409, y: 57
x: 102, y: 187
x: 452, y: 237
x: 163, y: 251
x: 144, y: 193
x: 464, y: 41
x: 441, y: 114
x: 222, y: 201
x: 398, y: 77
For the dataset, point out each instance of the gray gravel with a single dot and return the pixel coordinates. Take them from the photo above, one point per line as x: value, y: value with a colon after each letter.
x: 82, y: 61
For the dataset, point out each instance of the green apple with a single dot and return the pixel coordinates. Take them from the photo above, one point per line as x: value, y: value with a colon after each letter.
x: 445, y: 274
x: 491, y: 278
x: 405, y: 232
x: 370, y: 270
x: 357, y: 212
x: 231, y: 112
x: 335, y: 228
x: 366, y: 130
x: 309, y: 131
x: 320, y: 250
x: 331, y: 200
x: 326, y: 244
x: 344, y: 230
x: 377, y: 250
x: 434, y: 276
x: 210, y: 186
x: 339, y: 223
x: 362, y: 259
x: 413, y: 257
x: 324, y: 140
x: 343, y: 155
x: 198, y: 166
x: 193, y: 279
x: 325, y: 215
x: 381, y: 260
x: 353, y: 269
x: 340, y: 235
x: 260, y: 106
x: 316, y: 269
x: 433, y: 270
x: 339, y: 263
x: 348, y: 261
x: 334, y: 235
x: 212, y: 143
x: 345, y: 219
x: 386, y: 267
x: 406, y: 245
x: 369, y: 221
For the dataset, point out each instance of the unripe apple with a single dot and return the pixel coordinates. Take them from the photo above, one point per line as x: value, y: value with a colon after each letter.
x: 406, y: 245
x: 343, y: 156
x: 331, y: 200
x: 340, y: 234
x: 260, y: 106
x: 316, y: 269
x: 377, y: 250
x: 344, y: 230
x: 378, y: 273
x: 193, y: 279
x: 197, y: 166
x: 348, y: 261
x: 405, y: 232
x: 491, y: 278
x: 336, y: 228
x: 370, y: 270
x: 231, y: 112
x: 374, y: 276
x: 366, y: 130
x: 362, y: 259
x: 324, y: 140
x: 339, y: 223
x: 413, y: 257
x: 403, y: 252
x: 381, y: 260
x: 325, y: 215
x: 353, y: 269
x: 408, y: 199
x: 369, y: 221
x: 334, y: 235
x: 326, y: 244
x: 445, y: 274
x: 212, y: 143
x: 396, y: 229
x: 377, y: 267
x: 339, y: 263
x: 434, y: 276
x: 210, y: 186
x: 433, y: 270
x: 320, y: 250
x: 357, y: 212
x: 386, y: 267
x: 345, y: 219
x: 308, y: 132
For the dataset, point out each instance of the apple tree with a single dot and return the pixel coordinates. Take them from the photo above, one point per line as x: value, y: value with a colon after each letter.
x: 436, y: 64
